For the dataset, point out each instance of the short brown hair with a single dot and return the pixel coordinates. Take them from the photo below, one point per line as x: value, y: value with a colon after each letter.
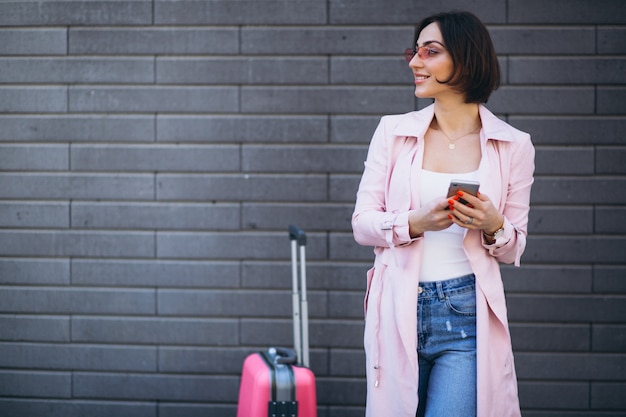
x: 476, y: 71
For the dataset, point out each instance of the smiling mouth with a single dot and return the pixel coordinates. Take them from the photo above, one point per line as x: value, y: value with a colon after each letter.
x: 421, y: 77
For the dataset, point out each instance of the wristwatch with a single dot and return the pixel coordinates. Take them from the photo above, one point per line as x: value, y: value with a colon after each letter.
x: 496, y: 234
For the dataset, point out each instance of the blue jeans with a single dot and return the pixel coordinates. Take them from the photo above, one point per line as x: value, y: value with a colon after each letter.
x: 447, y: 348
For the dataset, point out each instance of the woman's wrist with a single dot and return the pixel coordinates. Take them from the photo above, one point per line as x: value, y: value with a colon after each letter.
x: 414, y: 229
x: 490, y: 232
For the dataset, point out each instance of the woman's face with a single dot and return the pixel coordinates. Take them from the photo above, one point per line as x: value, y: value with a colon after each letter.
x: 431, y: 63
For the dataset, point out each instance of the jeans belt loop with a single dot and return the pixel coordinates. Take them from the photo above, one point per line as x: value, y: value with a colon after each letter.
x: 440, y: 292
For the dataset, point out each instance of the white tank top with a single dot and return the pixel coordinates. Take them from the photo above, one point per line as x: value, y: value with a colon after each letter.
x: 444, y: 257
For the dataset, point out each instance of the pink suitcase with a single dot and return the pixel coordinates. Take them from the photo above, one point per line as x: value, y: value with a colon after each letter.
x: 277, y: 382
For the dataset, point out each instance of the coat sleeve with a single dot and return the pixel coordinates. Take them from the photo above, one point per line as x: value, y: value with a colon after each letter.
x: 372, y: 223
x: 510, y: 246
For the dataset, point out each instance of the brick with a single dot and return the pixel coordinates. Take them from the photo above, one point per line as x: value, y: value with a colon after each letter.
x: 34, y: 271
x: 34, y: 214
x: 608, y: 396
x: 162, y: 158
x: 276, y: 70
x: 580, y: 70
x: 346, y: 304
x: 34, y: 157
x: 565, y: 12
x: 67, y: 12
x: 223, y: 12
x: 609, y: 279
x: 327, y: 100
x: 249, y: 187
x: 565, y: 308
x: 569, y: 366
x: 153, y: 99
x: 608, y: 338
x: 320, y: 275
x: 560, y: 220
x: 610, y: 160
x: 344, y: 411
x: 193, y: 360
x: 35, y: 41
x: 330, y: 391
x: 572, y: 130
x: 339, y: 333
x: 343, y: 188
x: 78, y: 357
x: 375, y: 70
x: 551, y: 337
x: 75, y: 301
x: 544, y: 100
x: 611, y: 40
x: 33, y: 99
x: 154, y: 331
x: 548, y: 278
x: 175, y: 409
x: 243, y: 303
x: 74, y: 408
x: 601, y: 249
x: 611, y: 100
x: 153, y: 40
x: 353, y: 129
x: 577, y: 190
x: 347, y: 362
x: 35, y: 384
x: 554, y: 395
x: 230, y: 245
x: 274, y: 275
x: 609, y: 220
x: 155, y: 273
x: 343, y: 246
x: 307, y: 216
x: 154, y: 216
x: 266, y: 332
x: 73, y: 128
x: 242, y: 128
x: 76, y: 243
x: 77, y: 186
x: 334, y: 158
x: 223, y: 303
x: 344, y: 40
x: 77, y: 70
x: 573, y: 160
x: 34, y: 328
x: 408, y: 12
x: 214, y: 388
x: 540, y: 40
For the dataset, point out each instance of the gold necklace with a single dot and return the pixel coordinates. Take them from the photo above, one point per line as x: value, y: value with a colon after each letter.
x: 451, y: 144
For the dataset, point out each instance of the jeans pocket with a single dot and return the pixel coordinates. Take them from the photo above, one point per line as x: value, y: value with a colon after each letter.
x: 462, y: 303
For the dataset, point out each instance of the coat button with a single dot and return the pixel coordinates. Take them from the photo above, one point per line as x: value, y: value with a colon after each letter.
x: 420, y: 290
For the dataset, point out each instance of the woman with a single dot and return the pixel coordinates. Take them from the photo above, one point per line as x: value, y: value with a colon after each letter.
x: 436, y: 336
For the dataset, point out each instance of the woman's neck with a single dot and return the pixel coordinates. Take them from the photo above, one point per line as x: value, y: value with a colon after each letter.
x: 456, y: 117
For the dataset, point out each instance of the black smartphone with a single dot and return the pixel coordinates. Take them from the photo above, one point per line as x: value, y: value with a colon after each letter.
x: 466, y: 186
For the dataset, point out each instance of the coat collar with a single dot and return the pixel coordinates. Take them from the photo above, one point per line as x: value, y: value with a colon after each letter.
x: 416, y: 124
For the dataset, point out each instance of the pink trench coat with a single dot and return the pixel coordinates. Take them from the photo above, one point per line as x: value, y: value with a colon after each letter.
x: 380, y: 219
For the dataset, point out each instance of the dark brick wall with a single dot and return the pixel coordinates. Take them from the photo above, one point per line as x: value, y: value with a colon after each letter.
x: 153, y: 152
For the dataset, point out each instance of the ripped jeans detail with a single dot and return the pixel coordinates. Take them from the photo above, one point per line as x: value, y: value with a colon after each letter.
x: 447, y: 347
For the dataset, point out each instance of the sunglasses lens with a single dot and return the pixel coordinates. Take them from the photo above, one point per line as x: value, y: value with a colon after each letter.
x: 409, y: 54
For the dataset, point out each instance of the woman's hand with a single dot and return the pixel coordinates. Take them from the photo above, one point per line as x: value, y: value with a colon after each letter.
x: 430, y: 217
x: 478, y: 214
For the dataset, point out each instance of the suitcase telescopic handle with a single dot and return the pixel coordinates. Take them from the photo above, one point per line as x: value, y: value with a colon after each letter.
x: 295, y: 233
x: 299, y: 298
